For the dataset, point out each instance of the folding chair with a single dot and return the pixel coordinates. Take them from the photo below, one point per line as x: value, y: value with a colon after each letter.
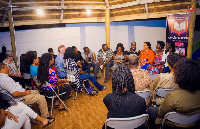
x: 180, y: 118
x: 127, y: 123
x: 54, y: 95
x: 27, y: 78
x: 162, y: 92
x: 144, y: 93
x: 8, y: 97
x: 71, y: 78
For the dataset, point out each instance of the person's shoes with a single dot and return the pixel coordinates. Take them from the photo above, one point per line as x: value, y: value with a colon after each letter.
x: 105, y: 80
x: 105, y: 86
x: 53, y: 119
x: 96, y: 78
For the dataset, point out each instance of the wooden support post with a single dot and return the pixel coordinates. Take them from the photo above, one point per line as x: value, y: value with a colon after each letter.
x: 191, y: 30
x: 12, y: 35
x: 107, y: 26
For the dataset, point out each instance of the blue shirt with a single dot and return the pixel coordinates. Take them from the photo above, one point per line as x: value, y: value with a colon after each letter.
x: 33, y: 70
x: 59, y: 62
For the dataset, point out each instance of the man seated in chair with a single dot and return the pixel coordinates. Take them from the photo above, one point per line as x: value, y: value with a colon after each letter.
x: 8, y: 85
x: 59, y: 62
x: 104, y: 57
x: 88, y: 59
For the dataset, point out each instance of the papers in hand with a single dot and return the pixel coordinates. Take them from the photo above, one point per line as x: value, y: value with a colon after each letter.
x: 101, y: 66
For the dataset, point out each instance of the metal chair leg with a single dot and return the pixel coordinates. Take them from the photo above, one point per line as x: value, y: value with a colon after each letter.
x: 59, y: 98
x: 75, y: 96
x: 52, y: 106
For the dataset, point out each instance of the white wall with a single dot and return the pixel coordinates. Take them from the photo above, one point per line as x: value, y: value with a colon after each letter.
x: 91, y: 36
x: 119, y: 34
x: 95, y: 37
x: 150, y: 34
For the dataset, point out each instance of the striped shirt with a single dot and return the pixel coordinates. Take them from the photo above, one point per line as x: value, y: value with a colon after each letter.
x: 72, y: 68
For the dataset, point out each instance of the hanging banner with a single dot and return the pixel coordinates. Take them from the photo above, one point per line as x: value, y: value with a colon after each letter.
x: 177, y: 26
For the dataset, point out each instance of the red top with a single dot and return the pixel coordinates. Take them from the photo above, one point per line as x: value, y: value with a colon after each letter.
x: 147, y: 55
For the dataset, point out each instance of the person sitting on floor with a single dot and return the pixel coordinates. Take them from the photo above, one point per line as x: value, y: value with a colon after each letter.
x: 13, y: 72
x: 46, y: 74
x: 18, y: 116
x: 123, y: 101
x: 184, y: 100
x: 59, y: 62
x: 79, y: 76
x: 166, y: 80
x: 8, y: 85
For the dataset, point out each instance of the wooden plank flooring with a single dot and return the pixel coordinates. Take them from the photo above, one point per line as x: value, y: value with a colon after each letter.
x: 86, y: 112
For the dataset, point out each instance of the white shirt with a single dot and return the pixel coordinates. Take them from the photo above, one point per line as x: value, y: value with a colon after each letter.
x: 89, y: 55
x: 164, y: 58
x: 8, y: 85
x: 104, y: 55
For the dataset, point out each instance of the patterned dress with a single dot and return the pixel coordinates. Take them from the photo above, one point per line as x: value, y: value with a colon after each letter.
x: 53, y: 78
x: 12, y: 66
x: 71, y: 67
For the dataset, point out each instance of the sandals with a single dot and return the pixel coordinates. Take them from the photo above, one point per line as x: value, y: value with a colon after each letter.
x: 61, y: 108
x: 49, y: 121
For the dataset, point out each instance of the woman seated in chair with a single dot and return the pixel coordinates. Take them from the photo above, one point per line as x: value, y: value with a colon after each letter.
x: 146, y: 55
x: 123, y: 102
x: 46, y: 74
x: 119, y: 56
x: 184, y: 101
x: 13, y: 72
x: 166, y: 80
x: 79, y: 76
x: 32, y: 61
x: 18, y: 116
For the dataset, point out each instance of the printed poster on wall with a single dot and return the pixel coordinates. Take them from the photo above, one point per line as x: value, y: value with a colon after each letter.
x: 177, y: 26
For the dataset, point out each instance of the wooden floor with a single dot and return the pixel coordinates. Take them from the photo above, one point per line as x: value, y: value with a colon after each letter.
x: 86, y: 112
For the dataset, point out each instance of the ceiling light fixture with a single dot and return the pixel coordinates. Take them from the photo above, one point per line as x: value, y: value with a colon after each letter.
x: 40, y: 12
x: 88, y: 11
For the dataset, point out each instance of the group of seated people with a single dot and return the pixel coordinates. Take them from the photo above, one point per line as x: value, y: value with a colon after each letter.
x: 46, y: 81
x: 129, y: 75
x: 184, y: 78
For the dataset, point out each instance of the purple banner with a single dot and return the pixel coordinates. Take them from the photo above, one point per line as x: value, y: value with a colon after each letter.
x: 177, y: 31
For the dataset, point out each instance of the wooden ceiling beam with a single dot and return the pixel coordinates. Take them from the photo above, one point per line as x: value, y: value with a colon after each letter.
x: 60, y: 7
x: 143, y: 16
x: 55, y: 21
x: 138, y: 2
x: 150, y: 7
x: 57, y: 13
x: 54, y: 2
x: 106, y: 3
